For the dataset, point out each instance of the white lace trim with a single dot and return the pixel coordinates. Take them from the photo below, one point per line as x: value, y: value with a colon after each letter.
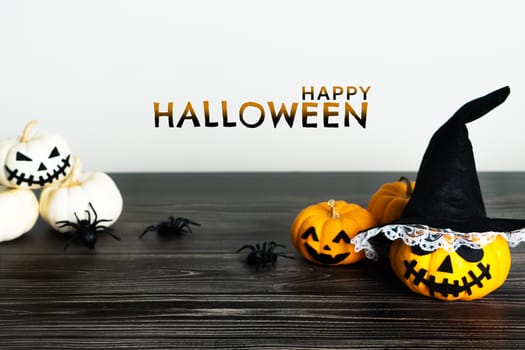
x: 430, y: 239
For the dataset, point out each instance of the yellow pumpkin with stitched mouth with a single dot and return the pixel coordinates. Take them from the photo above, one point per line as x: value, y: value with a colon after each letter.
x: 464, y: 274
x: 321, y: 233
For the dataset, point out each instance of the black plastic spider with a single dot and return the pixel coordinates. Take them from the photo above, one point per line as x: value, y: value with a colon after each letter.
x: 86, y: 229
x: 260, y: 256
x: 173, y: 226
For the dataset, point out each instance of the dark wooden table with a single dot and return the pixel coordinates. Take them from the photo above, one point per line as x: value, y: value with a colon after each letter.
x: 196, y: 292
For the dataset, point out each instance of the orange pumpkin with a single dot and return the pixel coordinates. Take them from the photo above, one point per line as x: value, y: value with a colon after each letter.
x: 464, y: 274
x: 388, y: 203
x: 321, y: 233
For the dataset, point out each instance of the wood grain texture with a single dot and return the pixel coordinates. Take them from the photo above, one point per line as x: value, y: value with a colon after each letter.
x: 195, y: 291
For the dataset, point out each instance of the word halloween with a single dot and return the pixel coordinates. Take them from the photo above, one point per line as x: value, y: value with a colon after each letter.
x: 312, y: 114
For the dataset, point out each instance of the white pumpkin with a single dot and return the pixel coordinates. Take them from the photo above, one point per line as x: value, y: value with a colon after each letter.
x: 33, y: 160
x: 61, y: 201
x: 18, y: 212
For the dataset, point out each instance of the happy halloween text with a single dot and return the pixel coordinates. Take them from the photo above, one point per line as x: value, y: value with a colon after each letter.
x: 330, y: 113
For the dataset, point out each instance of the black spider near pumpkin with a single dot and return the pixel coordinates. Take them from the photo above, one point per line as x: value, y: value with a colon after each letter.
x: 444, y: 245
x: 86, y: 230
x: 174, y: 226
x: 260, y: 255
x: 33, y: 160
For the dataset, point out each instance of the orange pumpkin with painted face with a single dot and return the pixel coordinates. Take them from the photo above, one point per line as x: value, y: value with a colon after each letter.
x: 321, y: 233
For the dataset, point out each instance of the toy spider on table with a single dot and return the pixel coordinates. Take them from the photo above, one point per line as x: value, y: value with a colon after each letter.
x: 260, y: 256
x: 172, y: 226
x: 86, y: 229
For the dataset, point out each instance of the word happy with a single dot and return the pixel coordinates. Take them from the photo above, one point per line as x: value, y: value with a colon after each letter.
x: 337, y: 106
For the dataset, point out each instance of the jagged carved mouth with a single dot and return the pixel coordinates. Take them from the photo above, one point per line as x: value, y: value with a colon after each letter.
x: 325, y: 258
x: 445, y: 288
x: 13, y: 175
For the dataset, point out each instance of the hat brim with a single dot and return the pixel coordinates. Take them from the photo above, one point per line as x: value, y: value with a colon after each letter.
x: 435, y: 234
x: 474, y: 224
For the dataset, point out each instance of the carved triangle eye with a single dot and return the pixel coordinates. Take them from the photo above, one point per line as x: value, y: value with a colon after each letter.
x: 341, y: 236
x: 54, y: 153
x: 22, y: 157
x: 310, y: 232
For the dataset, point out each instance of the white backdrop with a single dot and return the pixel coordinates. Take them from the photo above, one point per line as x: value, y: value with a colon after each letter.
x: 90, y: 70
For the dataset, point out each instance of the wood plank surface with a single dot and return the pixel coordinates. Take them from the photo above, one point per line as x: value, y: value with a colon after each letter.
x: 195, y: 291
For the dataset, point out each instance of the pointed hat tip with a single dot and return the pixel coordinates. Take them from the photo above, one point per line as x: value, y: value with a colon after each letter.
x: 503, y: 92
x: 480, y: 106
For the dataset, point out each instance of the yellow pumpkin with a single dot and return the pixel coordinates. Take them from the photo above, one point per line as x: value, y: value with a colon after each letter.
x: 465, y: 274
x: 321, y: 233
x: 389, y: 201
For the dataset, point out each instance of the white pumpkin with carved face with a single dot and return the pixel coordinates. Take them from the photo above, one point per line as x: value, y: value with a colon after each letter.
x: 33, y: 160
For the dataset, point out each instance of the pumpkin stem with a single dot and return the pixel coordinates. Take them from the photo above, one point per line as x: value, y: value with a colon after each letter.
x: 408, y: 183
x: 334, y: 214
x: 27, y: 130
x: 76, y: 170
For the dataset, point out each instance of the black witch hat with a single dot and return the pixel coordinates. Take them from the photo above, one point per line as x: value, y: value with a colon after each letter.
x: 447, y: 197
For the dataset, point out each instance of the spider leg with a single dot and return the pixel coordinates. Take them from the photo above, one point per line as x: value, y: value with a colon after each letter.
x: 110, y: 232
x: 246, y: 246
x: 68, y: 223
x: 102, y: 228
x: 187, y: 227
x: 265, y: 253
x: 184, y: 223
x: 285, y: 256
x: 274, y: 245
x: 179, y: 222
x: 148, y: 229
x: 88, y: 215
x: 94, y: 212
x: 96, y: 222
x: 76, y: 217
